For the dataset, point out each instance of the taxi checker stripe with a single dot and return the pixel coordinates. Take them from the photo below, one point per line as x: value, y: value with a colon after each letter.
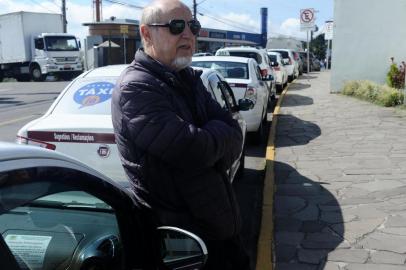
x: 71, y: 137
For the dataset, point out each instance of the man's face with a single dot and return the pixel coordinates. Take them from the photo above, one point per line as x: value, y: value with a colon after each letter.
x: 172, y: 50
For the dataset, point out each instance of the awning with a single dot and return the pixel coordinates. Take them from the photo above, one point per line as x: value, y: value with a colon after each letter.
x: 235, y: 41
x: 106, y: 44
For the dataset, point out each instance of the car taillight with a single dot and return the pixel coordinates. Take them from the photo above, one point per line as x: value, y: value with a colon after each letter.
x: 251, y: 93
x: 24, y: 140
x: 264, y: 73
x: 290, y: 61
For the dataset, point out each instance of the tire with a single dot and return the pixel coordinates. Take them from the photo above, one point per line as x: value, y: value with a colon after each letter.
x: 36, y: 74
x: 279, y: 88
x: 23, y: 78
x: 258, y: 135
x: 290, y: 78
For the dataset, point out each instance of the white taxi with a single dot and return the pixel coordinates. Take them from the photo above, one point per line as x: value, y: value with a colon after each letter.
x: 244, y: 77
x: 79, y: 123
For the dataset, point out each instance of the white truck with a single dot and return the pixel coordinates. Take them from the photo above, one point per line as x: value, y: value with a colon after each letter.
x: 33, y: 45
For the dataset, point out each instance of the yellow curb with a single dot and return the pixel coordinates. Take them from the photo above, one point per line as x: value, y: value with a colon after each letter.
x: 264, y: 247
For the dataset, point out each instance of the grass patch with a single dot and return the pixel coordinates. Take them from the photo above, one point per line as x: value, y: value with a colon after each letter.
x: 378, y: 94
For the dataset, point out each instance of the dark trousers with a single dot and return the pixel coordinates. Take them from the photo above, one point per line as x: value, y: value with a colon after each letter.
x: 227, y: 255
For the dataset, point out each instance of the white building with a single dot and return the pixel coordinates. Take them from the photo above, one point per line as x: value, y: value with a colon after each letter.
x: 367, y: 33
x: 284, y: 43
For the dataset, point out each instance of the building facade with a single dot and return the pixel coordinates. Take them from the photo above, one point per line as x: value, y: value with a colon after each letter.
x: 367, y: 33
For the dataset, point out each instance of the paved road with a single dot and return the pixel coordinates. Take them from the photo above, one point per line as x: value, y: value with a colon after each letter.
x: 23, y: 102
x: 340, y: 201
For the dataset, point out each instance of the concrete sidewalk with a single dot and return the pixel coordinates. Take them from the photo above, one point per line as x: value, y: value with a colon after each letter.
x: 340, y: 176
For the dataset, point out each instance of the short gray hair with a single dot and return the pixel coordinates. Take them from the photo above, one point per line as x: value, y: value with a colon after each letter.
x: 150, y: 14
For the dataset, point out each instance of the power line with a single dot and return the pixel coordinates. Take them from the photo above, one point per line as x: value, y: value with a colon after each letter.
x: 39, y: 4
x: 124, y: 4
x: 227, y: 21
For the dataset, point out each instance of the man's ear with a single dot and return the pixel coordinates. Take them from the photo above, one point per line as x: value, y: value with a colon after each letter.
x: 145, y: 32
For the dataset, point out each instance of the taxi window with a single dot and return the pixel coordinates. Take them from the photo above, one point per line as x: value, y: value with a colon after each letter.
x: 87, y: 96
x: 233, y: 70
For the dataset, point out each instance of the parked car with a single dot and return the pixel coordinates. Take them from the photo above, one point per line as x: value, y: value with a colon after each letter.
x: 314, y: 62
x: 262, y: 59
x: 244, y: 77
x: 291, y: 64
x: 281, y: 74
x: 58, y: 213
x: 202, y: 54
x: 299, y: 62
x: 79, y: 122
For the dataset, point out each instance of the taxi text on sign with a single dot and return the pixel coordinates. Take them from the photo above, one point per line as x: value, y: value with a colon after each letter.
x: 307, y: 19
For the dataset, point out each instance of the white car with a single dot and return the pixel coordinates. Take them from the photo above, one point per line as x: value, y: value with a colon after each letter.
x: 79, y: 123
x: 243, y: 76
x: 291, y: 64
x: 281, y: 74
x: 260, y: 55
x: 58, y: 213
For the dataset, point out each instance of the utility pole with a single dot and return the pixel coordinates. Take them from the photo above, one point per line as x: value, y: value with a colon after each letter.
x: 64, y: 22
x: 194, y: 10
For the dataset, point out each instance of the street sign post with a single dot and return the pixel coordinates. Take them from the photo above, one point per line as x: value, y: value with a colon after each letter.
x: 124, y: 31
x: 307, y: 19
x: 328, y: 36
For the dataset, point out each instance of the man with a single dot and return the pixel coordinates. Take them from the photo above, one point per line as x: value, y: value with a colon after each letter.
x: 175, y: 141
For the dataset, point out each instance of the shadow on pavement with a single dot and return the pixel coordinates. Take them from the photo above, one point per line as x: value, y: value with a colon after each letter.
x: 305, y: 215
x: 10, y: 101
x: 296, y: 100
x: 249, y: 193
x: 308, y: 77
x: 294, y: 131
x: 298, y: 86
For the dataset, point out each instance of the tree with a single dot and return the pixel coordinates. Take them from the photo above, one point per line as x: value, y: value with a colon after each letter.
x: 318, y: 46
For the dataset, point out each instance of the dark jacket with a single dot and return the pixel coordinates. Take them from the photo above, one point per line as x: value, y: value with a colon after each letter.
x: 176, y: 144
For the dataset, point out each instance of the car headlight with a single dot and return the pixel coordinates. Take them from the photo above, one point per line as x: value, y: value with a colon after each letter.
x: 50, y: 61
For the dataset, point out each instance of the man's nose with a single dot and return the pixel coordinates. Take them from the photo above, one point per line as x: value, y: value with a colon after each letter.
x: 187, y: 33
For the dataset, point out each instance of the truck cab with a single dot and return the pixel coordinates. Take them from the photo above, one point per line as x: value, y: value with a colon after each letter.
x: 55, y: 53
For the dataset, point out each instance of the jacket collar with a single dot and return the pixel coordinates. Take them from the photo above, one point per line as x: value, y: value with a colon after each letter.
x: 165, y: 74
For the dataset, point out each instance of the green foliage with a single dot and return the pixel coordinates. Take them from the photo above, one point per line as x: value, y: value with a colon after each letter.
x: 379, y: 94
x: 396, y: 75
x: 318, y: 46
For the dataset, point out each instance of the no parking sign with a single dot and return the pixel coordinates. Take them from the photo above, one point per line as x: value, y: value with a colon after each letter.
x: 307, y: 19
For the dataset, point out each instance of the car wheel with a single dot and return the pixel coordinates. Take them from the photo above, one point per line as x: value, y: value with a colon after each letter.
x: 23, y: 78
x: 258, y: 135
x: 290, y: 78
x: 36, y: 74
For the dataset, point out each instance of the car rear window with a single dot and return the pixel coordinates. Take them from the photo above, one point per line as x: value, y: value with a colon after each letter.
x: 272, y: 58
x: 87, y: 96
x: 284, y: 54
x: 252, y: 55
x: 234, y: 70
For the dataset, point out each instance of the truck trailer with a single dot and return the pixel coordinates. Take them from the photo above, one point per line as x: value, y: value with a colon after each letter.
x: 33, y: 45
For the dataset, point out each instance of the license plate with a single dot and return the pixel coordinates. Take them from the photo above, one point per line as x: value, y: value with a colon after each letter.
x: 66, y: 66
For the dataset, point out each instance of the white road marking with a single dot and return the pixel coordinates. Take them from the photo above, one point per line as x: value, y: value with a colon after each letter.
x: 17, y: 120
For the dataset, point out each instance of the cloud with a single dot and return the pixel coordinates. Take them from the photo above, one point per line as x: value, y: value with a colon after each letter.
x: 78, y: 13
x: 231, y: 21
x: 291, y: 27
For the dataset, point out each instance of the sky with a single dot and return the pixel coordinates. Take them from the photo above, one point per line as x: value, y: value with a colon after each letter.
x: 237, y: 15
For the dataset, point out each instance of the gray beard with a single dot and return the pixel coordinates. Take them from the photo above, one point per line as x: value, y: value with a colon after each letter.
x: 181, y: 62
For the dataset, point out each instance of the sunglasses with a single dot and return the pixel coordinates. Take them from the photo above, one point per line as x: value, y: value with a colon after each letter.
x: 176, y: 27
